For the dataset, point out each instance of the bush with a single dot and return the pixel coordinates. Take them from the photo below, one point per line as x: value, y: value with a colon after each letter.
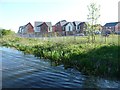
x: 6, y: 32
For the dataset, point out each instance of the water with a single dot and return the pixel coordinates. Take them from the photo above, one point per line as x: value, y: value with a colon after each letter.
x: 27, y: 71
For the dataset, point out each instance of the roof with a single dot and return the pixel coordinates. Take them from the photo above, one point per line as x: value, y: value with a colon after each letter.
x: 75, y: 23
x: 28, y: 24
x: 67, y: 23
x: 38, y: 23
x: 49, y: 24
x: 25, y: 25
x: 81, y: 23
x: 62, y: 22
x: 98, y: 25
x: 111, y: 24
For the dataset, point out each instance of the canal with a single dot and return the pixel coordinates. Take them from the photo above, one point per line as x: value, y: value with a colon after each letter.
x: 27, y: 71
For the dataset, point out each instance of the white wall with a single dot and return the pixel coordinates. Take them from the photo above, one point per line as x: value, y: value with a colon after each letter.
x: 50, y: 29
x: 67, y: 27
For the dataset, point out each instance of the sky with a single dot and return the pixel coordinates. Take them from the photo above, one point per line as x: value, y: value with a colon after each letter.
x: 15, y: 13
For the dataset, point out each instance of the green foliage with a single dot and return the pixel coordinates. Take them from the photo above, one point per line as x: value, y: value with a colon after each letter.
x: 93, y: 16
x: 6, y: 32
x: 89, y: 58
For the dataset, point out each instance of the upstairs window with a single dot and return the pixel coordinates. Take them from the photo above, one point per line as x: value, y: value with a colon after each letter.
x: 69, y: 28
x: 63, y: 28
x: 77, y: 27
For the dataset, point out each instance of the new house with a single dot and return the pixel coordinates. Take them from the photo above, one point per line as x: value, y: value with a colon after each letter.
x: 59, y: 27
x: 76, y: 27
x: 45, y: 28
x: 64, y: 28
x: 82, y: 27
x: 112, y: 27
x: 26, y: 30
x: 68, y: 28
x: 37, y: 29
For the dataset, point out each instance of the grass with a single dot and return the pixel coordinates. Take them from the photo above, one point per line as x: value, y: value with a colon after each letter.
x: 100, y: 58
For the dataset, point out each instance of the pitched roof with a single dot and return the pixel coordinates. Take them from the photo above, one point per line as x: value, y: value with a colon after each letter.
x: 81, y: 23
x: 111, y: 24
x: 98, y: 25
x: 75, y: 23
x: 49, y: 24
x: 26, y: 25
x: 38, y: 23
x: 62, y: 22
x: 67, y: 23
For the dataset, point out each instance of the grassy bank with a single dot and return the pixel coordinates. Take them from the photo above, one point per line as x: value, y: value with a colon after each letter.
x: 99, y: 58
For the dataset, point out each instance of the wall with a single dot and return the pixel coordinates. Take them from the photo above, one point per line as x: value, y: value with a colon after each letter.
x: 67, y: 27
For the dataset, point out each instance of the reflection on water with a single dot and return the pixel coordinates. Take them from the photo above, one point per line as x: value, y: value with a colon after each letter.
x: 26, y: 71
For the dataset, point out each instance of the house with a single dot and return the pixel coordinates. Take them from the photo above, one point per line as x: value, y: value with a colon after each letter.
x: 98, y: 27
x: 59, y: 27
x: 37, y: 29
x: 76, y: 27
x: 45, y: 28
x: 26, y: 30
x: 82, y: 27
x: 112, y: 27
x: 68, y: 28
x: 53, y: 28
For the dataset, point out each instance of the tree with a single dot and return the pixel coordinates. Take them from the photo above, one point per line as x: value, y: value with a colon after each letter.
x: 92, y: 17
x: 6, y: 32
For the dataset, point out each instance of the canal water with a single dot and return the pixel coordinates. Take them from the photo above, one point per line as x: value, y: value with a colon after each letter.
x: 27, y: 71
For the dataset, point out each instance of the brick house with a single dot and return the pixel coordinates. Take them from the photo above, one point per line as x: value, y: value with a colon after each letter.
x: 82, y: 27
x: 59, y: 27
x: 112, y: 27
x: 26, y: 30
x: 45, y: 28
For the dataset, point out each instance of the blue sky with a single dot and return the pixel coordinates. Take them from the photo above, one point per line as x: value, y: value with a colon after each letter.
x: 15, y: 13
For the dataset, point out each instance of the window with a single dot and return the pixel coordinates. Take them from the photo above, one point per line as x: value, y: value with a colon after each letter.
x: 49, y: 28
x: 77, y: 27
x: 69, y: 28
x: 63, y: 28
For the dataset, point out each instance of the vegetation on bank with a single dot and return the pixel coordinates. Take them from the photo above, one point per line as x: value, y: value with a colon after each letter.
x: 6, y: 32
x: 98, y: 58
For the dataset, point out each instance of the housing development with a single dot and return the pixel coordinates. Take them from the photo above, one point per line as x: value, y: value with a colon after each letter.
x: 64, y: 28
